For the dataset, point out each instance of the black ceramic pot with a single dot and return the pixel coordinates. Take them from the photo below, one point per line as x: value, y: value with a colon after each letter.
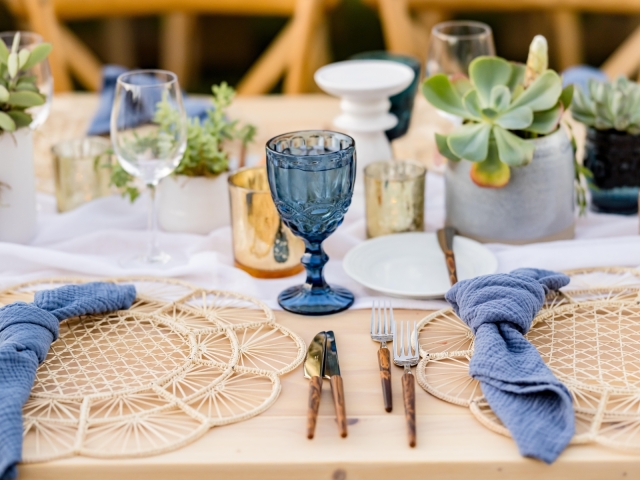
x: 614, y: 159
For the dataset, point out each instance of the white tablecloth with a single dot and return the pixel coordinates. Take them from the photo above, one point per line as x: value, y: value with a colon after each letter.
x: 90, y: 241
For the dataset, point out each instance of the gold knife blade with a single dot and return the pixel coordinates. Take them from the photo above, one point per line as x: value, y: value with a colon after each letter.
x: 314, y: 363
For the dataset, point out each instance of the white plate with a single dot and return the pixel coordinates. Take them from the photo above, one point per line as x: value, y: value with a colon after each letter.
x: 411, y: 265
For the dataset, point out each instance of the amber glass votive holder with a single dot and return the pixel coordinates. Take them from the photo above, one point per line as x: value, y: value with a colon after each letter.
x: 262, y: 245
x: 394, y: 197
x: 81, y: 170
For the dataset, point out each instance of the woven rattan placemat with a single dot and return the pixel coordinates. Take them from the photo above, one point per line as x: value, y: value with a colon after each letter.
x: 155, y: 377
x: 589, y: 335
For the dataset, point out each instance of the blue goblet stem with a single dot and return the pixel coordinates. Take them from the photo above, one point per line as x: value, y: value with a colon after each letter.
x: 314, y: 259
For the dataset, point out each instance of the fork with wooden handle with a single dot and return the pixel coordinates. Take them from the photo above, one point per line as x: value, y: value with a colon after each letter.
x: 407, y: 358
x: 381, y: 331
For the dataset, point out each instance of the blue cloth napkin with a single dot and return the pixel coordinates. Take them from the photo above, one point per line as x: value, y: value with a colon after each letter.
x: 101, y: 123
x: 521, y: 390
x: 26, y: 333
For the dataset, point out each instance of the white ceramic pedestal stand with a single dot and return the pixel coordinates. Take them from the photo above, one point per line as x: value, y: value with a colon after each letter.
x: 365, y: 87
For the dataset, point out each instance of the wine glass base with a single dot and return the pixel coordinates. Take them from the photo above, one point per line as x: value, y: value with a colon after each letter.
x: 303, y: 301
x: 160, y: 261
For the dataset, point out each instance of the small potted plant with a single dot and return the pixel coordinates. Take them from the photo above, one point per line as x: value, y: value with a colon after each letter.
x: 511, y: 173
x: 19, y: 96
x: 611, y: 112
x: 195, y: 198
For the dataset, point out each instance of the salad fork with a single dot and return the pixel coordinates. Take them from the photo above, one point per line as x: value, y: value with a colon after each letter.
x: 382, y: 325
x: 407, y: 357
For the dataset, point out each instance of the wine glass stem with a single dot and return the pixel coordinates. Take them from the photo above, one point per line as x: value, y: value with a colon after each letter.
x: 313, y: 260
x: 153, y: 249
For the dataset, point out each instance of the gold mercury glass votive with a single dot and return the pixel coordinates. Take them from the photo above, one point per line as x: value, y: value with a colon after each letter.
x: 394, y: 192
x: 81, y: 170
x: 262, y: 245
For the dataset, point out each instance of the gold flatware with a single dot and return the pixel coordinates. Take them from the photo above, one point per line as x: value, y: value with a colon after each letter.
x: 314, y: 370
x: 445, y: 239
x: 382, y: 331
x: 407, y: 357
x: 332, y: 371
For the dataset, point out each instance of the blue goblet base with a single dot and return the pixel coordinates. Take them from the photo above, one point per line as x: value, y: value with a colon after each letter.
x: 306, y: 301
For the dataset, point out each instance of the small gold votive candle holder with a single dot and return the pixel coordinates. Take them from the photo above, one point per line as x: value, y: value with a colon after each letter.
x: 81, y: 170
x: 394, y: 197
x: 262, y: 245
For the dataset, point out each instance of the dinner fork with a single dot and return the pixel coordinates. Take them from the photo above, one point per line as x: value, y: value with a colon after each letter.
x: 382, y: 331
x: 407, y: 358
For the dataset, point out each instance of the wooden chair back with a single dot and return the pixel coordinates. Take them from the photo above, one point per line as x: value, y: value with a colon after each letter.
x: 297, y: 51
x: 407, y: 25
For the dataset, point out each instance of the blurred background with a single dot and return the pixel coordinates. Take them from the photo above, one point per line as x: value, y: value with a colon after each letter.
x: 216, y: 40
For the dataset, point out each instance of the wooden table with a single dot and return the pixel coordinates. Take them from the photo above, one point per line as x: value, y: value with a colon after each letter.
x: 273, y: 446
x: 451, y: 443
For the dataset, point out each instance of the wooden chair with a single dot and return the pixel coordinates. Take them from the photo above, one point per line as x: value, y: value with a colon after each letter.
x: 298, y: 50
x: 408, y: 23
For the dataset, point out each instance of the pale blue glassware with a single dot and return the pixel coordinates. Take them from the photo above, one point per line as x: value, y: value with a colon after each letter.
x: 311, y: 176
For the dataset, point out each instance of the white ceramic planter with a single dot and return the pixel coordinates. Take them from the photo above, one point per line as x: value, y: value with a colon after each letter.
x: 536, y: 205
x: 17, y: 187
x: 193, y: 204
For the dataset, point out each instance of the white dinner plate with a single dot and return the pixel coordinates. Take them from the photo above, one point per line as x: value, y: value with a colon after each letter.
x: 412, y: 265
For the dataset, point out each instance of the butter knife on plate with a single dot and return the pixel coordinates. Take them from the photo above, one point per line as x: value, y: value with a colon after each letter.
x: 445, y: 239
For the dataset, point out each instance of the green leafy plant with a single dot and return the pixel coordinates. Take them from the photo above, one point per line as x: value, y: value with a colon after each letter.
x: 502, y: 105
x: 18, y: 90
x: 609, y: 105
x: 205, y: 155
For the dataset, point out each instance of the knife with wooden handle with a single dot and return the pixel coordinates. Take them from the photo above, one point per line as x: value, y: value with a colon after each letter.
x: 314, y: 370
x: 332, y: 370
x: 445, y: 239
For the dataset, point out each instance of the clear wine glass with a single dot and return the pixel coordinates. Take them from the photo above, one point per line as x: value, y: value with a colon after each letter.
x: 311, y: 175
x: 149, y: 136
x: 453, y: 45
x: 41, y: 71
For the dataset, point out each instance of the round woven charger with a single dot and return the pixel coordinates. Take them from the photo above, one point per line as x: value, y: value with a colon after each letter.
x: 155, y: 377
x: 588, y: 335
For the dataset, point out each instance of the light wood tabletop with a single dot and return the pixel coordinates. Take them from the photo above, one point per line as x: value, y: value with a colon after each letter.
x: 451, y: 444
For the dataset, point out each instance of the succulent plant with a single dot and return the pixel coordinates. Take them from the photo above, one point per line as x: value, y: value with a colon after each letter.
x: 205, y: 155
x: 500, y: 112
x: 18, y: 90
x: 609, y: 105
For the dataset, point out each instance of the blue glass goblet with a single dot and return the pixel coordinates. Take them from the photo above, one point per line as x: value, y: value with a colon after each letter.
x: 311, y: 175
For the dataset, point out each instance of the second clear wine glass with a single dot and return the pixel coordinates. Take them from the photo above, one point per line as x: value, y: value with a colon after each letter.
x: 453, y: 45
x: 149, y: 136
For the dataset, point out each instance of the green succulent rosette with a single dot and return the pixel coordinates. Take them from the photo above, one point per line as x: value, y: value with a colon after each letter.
x: 499, y: 115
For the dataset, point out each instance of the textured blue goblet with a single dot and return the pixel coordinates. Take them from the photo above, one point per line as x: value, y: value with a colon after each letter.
x: 311, y: 175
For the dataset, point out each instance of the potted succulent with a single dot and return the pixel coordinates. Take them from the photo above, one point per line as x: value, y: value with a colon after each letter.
x: 20, y: 98
x: 511, y: 172
x: 611, y: 112
x: 195, y: 198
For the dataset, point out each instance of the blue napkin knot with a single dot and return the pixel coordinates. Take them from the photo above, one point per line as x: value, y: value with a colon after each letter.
x: 521, y: 390
x: 26, y: 333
